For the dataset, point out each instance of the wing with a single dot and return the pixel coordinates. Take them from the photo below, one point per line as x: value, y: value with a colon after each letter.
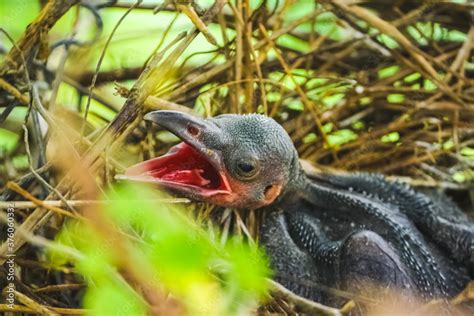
x: 434, y: 214
x: 311, y: 264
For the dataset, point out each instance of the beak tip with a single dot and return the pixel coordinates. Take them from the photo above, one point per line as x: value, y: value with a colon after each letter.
x: 160, y: 116
x: 151, y: 116
x: 172, y: 120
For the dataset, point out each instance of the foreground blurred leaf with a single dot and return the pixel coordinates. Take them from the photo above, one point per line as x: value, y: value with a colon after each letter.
x: 205, y: 276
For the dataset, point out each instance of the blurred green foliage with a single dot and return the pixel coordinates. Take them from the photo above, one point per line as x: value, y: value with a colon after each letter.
x: 171, y: 250
x: 8, y: 140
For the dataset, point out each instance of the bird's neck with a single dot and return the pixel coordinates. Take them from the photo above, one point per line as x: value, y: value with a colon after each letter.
x: 295, y: 188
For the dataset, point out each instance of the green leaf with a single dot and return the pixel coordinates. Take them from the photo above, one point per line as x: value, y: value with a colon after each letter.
x: 298, y: 9
x: 449, y: 144
x: 290, y: 82
x: 463, y: 176
x: 173, y: 252
x: 309, y: 138
x: 358, y: 125
x: 412, y: 77
x: 467, y: 151
x: 396, y: 98
x: 387, y: 41
x: 332, y: 100
x: 20, y: 162
x: 341, y: 137
x: 391, y: 137
x: 315, y: 82
x: 273, y: 96
x: 293, y: 43
x: 429, y: 85
x: 417, y: 35
x: 327, y: 128
x: 112, y: 298
x: 8, y: 140
x: 295, y: 105
x: 247, y: 266
x: 388, y: 71
x: 326, y: 25
x: 365, y: 100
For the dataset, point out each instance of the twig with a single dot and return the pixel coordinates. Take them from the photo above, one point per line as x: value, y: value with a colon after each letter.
x: 45, y: 20
x: 56, y: 310
x: 391, y: 30
x: 14, y: 92
x: 302, y: 304
x: 78, y: 203
x: 35, y: 306
x: 59, y: 287
x: 15, y: 187
x: 33, y: 171
x: 200, y: 25
x: 155, y: 103
x: 101, y: 58
x: 175, y: 92
x: 308, y: 104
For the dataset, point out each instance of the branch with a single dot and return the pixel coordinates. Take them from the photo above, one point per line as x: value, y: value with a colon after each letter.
x: 302, y: 304
x: 35, y: 33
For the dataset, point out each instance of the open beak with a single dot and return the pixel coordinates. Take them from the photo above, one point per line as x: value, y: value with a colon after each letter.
x: 189, y: 168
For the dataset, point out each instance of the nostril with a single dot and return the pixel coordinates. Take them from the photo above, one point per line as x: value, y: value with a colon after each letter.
x: 193, y: 130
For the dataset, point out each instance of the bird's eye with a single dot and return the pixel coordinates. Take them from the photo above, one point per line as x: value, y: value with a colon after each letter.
x: 247, y: 168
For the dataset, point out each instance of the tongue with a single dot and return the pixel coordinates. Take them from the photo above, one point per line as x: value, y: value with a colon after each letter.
x: 192, y: 177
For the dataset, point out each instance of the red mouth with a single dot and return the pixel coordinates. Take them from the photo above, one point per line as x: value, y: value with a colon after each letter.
x: 183, y: 167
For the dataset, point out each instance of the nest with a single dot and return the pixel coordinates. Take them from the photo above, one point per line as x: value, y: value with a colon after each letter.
x: 375, y: 86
